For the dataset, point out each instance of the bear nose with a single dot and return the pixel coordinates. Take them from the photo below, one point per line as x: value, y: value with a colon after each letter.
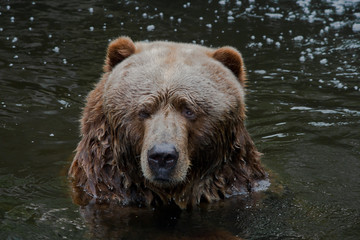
x: 162, y: 158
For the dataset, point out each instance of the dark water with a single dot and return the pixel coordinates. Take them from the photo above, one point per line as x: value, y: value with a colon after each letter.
x: 303, y: 106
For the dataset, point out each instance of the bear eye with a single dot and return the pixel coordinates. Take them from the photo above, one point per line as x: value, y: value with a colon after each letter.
x: 143, y: 114
x: 188, y: 113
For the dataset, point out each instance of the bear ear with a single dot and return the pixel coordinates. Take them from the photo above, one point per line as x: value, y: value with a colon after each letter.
x: 231, y: 59
x: 118, y: 50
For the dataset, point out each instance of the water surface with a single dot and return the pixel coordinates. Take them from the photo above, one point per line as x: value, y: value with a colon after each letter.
x: 302, y: 59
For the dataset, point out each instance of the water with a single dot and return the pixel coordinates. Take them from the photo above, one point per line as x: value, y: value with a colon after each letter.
x: 302, y: 59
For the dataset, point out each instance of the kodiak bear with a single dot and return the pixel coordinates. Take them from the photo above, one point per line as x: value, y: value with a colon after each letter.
x: 165, y: 124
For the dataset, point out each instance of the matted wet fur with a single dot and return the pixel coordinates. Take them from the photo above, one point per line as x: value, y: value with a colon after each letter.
x: 166, y: 124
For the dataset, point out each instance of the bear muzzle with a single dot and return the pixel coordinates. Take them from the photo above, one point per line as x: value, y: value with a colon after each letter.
x: 162, y: 159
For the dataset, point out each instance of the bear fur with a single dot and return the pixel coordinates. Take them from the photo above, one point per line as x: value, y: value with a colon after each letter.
x: 166, y: 124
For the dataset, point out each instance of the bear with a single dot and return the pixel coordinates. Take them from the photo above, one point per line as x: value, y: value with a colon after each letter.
x: 166, y: 124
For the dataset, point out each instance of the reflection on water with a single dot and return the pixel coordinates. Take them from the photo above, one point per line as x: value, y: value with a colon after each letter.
x: 303, y: 106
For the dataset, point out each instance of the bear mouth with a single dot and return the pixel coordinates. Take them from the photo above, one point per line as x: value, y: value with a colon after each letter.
x: 162, y: 176
x: 162, y: 180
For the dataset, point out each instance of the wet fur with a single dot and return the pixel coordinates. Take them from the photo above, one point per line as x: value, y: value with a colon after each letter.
x: 224, y: 159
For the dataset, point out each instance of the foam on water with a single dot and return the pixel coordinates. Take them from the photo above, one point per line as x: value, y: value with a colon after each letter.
x: 262, y: 185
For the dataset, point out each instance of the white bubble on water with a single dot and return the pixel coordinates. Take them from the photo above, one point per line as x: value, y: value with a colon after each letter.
x: 337, y: 25
x: 339, y: 9
x: 302, y: 59
x: 179, y: 20
x: 91, y: 10
x: 64, y: 103
x: 298, y: 38
x: 150, y: 28
x: 230, y: 19
x: 238, y: 3
x: 14, y: 40
x: 291, y: 16
x: 64, y: 61
x: 269, y: 41
x: 91, y: 28
x: 12, y: 19
x: 356, y: 27
x: 262, y: 72
x: 340, y: 69
x: 328, y: 11
x: 274, y: 15
x: 321, y: 124
x: 201, y: 18
x: 323, y: 61
x: 144, y: 15
x: 171, y: 18
x: 277, y: 44
x: 209, y: 25
x: 222, y: 2
x: 51, y: 135
x: 56, y: 49
x: 8, y: 7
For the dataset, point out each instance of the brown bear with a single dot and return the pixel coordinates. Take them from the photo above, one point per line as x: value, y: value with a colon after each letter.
x: 166, y: 124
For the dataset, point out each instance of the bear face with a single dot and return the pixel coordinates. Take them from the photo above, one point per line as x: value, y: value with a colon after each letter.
x: 167, y: 121
x: 175, y: 108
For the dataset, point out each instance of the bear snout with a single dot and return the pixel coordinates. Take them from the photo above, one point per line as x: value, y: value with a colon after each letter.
x: 162, y: 159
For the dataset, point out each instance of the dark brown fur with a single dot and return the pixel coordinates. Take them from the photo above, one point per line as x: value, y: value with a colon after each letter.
x: 224, y: 159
